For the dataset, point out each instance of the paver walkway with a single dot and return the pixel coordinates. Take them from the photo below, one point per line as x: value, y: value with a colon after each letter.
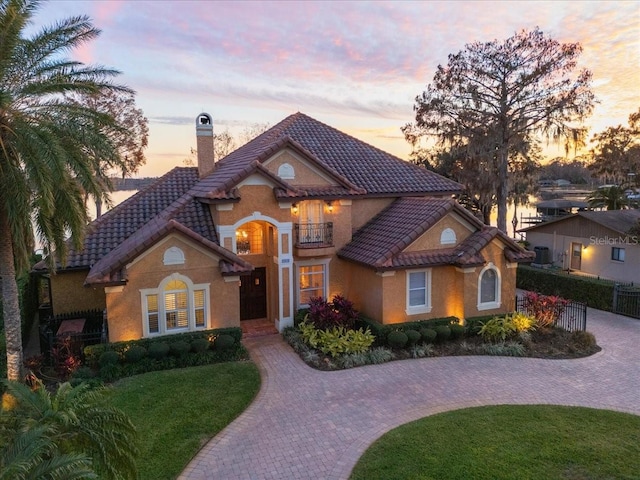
x: 307, y: 424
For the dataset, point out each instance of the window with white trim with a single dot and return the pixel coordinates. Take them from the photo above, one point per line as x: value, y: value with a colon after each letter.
x: 312, y: 280
x: 489, y: 288
x: 418, y: 291
x: 448, y: 237
x: 177, y: 305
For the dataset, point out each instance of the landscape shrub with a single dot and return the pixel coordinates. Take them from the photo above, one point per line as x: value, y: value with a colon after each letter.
x: 497, y: 329
x: 338, y: 312
x: 179, y: 348
x: 546, y: 309
x: 413, y: 337
x: 397, y: 339
x: 474, y: 324
x: 428, y: 335
x: 158, y: 350
x: 224, y: 342
x: 336, y: 340
x: 509, y: 349
x: 200, y: 345
x: 421, y: 351
x: 110, y: 372
x: 457, y: 330
x: 109, y: 358
x: 379, y: 355
x: 595, y: 293
x: 443, y: 333
x: 135, y: 354
x: 522, y: 322
x: 583, y: 340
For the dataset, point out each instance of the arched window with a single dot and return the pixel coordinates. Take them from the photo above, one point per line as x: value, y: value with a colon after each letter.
x: 447, y: 237
x: 177, y: 305
x: 173, y: 256
x: 286, y: 172
x: 489, y: 288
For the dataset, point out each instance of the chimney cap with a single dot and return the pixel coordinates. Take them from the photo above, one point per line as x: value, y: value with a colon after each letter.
x: 204, y: 124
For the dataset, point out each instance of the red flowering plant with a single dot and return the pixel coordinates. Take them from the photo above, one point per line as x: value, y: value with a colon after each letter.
x: 546, y: 309
x: 338, y: 312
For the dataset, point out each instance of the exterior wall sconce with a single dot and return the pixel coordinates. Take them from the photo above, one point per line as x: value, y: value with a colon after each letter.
x: 330, y: 207
x: 294, y: 208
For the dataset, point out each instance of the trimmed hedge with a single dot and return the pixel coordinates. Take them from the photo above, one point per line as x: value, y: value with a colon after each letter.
x: 594, y: 293
x: 92, y: 352
x: 381, y: 331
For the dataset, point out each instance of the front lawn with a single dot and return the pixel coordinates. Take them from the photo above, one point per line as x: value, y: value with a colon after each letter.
x: 177, y: 411
x: 508, y: 442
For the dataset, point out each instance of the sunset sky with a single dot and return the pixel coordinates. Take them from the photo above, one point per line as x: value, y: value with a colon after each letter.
x: 354, y: 65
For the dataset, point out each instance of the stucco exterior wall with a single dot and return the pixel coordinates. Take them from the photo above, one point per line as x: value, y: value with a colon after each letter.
x: 363, y: 210
x: 430, y: 240
x: 69, y: 294
x: 304, y: 174
x: 365, y: 290
x: 124, y: 308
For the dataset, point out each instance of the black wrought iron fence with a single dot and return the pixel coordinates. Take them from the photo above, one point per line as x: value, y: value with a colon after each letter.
x: 626, y: 300
x: 75, y: 330
x: 571, y: 316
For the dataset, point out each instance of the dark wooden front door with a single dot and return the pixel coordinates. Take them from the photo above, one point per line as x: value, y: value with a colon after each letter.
x: 253, y: 294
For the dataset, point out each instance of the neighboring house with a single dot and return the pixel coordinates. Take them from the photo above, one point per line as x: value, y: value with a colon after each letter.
x: 595, y: 243
x: 303, y: 210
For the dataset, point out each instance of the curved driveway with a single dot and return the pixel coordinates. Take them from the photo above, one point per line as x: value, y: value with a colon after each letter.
x: 307, y: 424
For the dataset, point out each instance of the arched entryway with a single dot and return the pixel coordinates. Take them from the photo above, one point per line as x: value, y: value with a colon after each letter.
x: 268, y: 292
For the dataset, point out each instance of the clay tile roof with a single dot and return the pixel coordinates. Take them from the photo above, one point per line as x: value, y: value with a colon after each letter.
x: 147, y: 236
x: 393, y: 229
x: 380, y: 243
x: 111, y: 229
x: 355, y: 164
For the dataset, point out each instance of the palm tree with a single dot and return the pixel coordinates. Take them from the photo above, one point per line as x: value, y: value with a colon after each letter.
x: 609, y: 198
x: 47, y: 144
x: 71, y: 432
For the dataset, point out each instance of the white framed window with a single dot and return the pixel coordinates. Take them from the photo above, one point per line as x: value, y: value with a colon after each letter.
x: 418, y: 291
x: 177, y: 305
x: 312, y: 280
x: 286, y: 172
x: 250, y: 239
x: 310, y: 222
x: 448, y: 237
x: 617, y: 254
x: 489, y: 288
x: 173, y: 256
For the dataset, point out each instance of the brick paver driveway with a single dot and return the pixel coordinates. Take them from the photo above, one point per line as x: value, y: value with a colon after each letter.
x: 307, y: 424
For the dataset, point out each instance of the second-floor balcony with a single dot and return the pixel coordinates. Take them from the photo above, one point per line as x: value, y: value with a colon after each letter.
x: 313, y: 235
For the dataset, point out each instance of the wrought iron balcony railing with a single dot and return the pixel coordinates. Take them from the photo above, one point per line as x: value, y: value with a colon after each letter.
x: 313, y: 235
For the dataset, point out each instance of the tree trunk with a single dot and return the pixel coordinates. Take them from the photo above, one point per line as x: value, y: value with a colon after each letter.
x: 98, y: 207
x: 10, y: 302
x: 503, y: 192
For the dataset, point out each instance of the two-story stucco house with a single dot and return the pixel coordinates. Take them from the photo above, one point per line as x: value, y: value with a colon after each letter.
x: 302, y: 210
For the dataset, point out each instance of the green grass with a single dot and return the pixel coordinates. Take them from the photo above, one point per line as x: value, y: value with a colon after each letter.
x: 508, y: 442
x: 177, y: 411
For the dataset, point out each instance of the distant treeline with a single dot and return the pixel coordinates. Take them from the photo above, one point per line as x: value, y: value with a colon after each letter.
x: 131, y: 183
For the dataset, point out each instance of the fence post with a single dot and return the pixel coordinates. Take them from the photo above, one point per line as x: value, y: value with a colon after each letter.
x: 616, y: 291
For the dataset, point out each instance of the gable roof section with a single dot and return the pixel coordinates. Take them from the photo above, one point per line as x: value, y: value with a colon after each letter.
x: 107, y: 269
x: 358, y: 167
x: 380, y: 244
x: 619, y: 221
x: 111, y: 229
